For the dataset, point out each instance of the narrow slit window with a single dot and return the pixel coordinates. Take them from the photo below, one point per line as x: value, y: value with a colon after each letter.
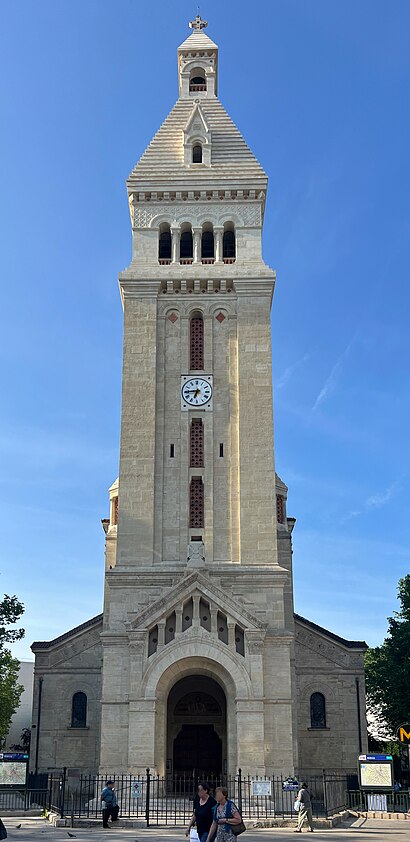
x: 172, y: 451
x: 197, y: 154
x: 221, y: 450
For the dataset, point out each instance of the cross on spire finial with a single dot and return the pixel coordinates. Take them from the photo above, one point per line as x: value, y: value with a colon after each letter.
x: 198, y: 23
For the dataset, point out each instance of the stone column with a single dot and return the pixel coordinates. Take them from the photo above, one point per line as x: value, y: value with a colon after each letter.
x: 178, y: 620
x: 231, y: 634
x: 195, y: 611
x: 161, y: 634
x: 214, y: 620
x: 218, y: 234
x: 175, y: 245
x: 196, y: 232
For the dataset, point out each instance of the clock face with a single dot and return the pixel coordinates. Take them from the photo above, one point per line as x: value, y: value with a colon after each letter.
x: 196, y: 391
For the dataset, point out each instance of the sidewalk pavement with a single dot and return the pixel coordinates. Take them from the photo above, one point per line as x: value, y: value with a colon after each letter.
x: 360, y: 830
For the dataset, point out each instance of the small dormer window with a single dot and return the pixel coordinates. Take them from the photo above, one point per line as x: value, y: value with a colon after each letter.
x: 197, y: 154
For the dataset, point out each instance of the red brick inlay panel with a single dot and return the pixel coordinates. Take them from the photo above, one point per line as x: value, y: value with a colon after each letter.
x: 173, y: 318
x: 196, y: 503
x: 220, y: 318
x: 196, y: 343
x: 280, y: 509
x: 196, y: 444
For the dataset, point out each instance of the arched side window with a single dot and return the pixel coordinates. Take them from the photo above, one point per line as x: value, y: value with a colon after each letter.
x: 186, y: 246
x: 153, y: 641
x: 207, y: 244
x: 229, y: 243
x: 317, y: 711
x: 197, y: 80
x: 164, y: 244
x: 197, y: 154
x: 79, y: 711
x: 196, y: 343
x: 196, y: 444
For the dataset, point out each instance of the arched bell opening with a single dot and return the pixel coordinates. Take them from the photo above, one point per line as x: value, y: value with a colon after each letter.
x: 197, y: 80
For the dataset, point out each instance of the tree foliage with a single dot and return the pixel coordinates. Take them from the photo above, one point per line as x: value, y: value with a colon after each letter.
x: 387, y: 666
x: 10, y: 690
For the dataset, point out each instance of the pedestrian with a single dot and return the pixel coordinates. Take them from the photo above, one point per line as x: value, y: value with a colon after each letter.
x: 109, y: 803
x: 225, y: 815
x: 305, y: 809
x: 202, y: 816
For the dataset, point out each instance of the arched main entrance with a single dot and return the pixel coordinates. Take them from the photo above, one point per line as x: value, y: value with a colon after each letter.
x: 196, y: 727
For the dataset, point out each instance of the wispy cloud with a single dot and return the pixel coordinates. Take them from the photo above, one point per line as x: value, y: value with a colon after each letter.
x: 330, y: 383
x: 375, y: 501
x: 287, y: 374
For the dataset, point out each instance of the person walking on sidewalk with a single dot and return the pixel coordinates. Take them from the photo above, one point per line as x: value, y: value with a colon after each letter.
x: 305, y: 809
x: 109, y: 804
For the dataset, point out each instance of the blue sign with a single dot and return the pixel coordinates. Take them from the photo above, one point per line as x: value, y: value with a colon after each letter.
x: 377, y: 757
x: 6, y: 755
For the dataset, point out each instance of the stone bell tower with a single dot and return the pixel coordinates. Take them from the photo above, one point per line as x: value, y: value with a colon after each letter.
x: 198, y: 616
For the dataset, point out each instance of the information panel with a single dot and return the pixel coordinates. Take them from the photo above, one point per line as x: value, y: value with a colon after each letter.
x: 12, y: 773
x: 376, y: 772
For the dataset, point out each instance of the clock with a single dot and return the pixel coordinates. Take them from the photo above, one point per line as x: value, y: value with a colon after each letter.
x: 196, y: 392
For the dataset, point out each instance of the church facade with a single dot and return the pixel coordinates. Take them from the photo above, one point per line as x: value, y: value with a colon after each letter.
x: 198, y: 660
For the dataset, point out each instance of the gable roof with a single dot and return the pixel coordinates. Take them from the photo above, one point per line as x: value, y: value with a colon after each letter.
x: 47, y: 644
x: 351, y: 644
x: 162, y: 163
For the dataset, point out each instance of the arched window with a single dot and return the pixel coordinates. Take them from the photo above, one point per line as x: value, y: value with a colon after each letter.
x: 239, y: 640
x: 196, y: 343
x: 207, y: 244
x: 186, y: 247
x: 153, y: 641
x: 196, y: 503
x: 197, y: 154
x: 197, y: 81
x: 317, y: 711
x: 164, y: 244
x: 228, y: 243
x: 196, y: 444
x: 79, y: 711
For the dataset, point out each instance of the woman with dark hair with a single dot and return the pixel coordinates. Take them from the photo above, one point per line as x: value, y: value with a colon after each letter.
x: 203, y: 812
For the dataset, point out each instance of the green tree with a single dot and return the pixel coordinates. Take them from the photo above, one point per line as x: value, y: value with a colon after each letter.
x: 10, y: 690
x: 387, y: 667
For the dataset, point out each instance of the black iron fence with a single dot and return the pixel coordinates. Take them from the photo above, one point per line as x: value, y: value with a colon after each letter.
x: 396, y: 802
x: 168, y: 800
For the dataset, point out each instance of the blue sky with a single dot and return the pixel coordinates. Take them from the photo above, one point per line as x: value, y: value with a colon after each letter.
x: 319, y: 89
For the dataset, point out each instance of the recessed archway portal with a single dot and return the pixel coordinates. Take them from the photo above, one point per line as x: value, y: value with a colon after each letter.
x: 196, y: 727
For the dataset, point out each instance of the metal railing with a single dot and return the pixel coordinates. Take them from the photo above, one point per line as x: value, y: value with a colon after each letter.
x: 396, y: 802
x: 167, y: 800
